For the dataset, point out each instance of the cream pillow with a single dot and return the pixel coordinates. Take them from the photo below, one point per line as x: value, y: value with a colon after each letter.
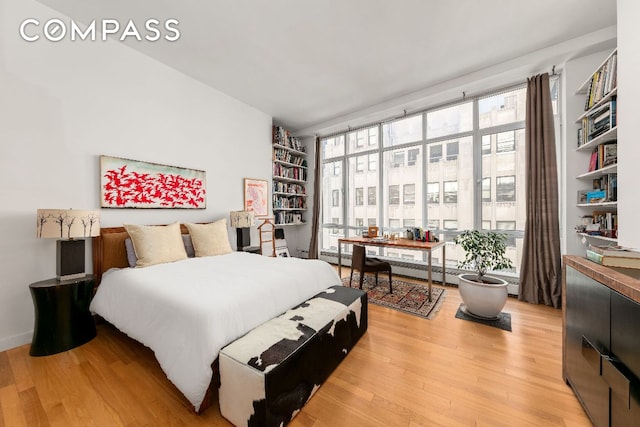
x: 210, y: 239
x: 156, y: 244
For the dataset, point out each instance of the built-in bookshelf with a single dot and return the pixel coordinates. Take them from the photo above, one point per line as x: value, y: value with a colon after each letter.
x: 597, y: 138
x: 290, y: 174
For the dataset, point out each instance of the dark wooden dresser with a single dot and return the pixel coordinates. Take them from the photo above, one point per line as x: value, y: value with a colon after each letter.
x: 601, y: 340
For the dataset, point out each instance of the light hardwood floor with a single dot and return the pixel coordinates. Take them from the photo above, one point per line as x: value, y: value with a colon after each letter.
x: 405, y: 371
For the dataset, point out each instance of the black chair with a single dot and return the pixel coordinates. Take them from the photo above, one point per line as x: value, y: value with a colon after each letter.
x: 364, y: 264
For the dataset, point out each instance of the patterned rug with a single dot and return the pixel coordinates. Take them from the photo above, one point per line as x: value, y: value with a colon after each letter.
x: 408, y: 297
x: 502, y: 322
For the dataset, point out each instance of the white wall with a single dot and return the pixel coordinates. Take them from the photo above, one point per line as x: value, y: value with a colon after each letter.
x: 64, y: 104
x: 628, y: 113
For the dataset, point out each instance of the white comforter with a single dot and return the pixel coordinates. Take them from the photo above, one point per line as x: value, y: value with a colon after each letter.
x: 186, y: 311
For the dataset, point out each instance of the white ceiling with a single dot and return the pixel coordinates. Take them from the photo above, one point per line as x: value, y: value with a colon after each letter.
x: 307, y: 62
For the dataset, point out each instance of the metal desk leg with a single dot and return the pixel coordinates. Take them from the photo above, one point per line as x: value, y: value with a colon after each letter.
x: 340, y: 260
x: 430, y: 268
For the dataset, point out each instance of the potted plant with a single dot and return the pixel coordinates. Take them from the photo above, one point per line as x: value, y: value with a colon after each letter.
x: 483, y: 296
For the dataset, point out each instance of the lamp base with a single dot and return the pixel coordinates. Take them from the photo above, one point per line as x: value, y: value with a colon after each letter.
x: 69, y: 259
x: 243, y: 237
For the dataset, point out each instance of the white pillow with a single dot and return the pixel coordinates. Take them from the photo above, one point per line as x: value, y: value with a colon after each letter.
x: 156, y: 244
x: 210, y: 239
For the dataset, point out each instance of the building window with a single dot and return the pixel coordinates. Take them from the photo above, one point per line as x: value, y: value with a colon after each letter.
x: 371, y: 196
x: 433, y: 192
x: 337, y: 168
x: 451, y: 191
x: 433, y: 224
x: 450, y: 224
x: 359, y: 222
x: 452, y: 150
x: 409, y: 194
x: 506, y: 142
x: 334, y: 222
x: 394, y: 223
x: 408, y: 223
x: 359, y: 196
x: 486, y: 144
x: 394, y: 194
x: 486, y: 189
x: 397, y: 159
x: 486, y: 225
x: 371, y: 222
x: 373, y: 162
x: 335, y: 198
x: 360, y: 163
x: 506, y: 188
x: 412, y: 156
x: 435, y: 153
x: 505, y: 225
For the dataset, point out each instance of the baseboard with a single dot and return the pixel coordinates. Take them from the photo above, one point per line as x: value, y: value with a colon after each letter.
x: 15, y: 341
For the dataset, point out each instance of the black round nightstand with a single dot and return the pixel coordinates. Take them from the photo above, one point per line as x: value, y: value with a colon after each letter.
x: 62, y: 317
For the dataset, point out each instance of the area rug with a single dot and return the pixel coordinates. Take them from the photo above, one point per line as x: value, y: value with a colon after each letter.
x: 502, y: 322
x: 411, y: 298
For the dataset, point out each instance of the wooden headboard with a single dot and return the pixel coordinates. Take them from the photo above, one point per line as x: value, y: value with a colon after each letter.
x: 109, y: 251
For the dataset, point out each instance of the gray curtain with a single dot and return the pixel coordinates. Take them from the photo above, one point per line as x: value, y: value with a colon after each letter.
x: 315, y: 222
x: 541, y: 271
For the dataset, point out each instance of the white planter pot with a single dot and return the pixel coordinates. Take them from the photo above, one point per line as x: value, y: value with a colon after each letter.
x: 483, y: 300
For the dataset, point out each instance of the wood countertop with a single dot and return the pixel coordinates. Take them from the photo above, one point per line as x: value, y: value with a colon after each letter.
x: 623, y: 280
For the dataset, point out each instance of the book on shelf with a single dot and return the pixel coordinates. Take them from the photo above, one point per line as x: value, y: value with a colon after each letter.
x: 613, y: 261
x: 603, y: 81
x: 614, y: 250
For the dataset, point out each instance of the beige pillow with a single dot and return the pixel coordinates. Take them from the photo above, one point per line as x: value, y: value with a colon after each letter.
x: 210, y: 239
x: 156, y: 244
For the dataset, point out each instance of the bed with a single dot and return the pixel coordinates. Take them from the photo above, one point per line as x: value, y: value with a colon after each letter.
x: 186, y: 311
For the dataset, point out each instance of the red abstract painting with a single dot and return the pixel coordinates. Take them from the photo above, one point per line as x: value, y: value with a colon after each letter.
x: 134, y: 184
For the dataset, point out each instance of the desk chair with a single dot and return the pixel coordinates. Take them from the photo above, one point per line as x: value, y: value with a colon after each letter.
x: 364, y: 264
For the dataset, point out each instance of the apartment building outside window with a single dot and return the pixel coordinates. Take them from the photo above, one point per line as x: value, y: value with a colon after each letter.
x: 423, y: 169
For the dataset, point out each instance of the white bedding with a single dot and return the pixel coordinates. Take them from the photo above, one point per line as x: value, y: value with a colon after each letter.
x: 186, y: 311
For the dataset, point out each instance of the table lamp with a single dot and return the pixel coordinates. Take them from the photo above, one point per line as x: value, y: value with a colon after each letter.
x: 70, y: 227
x: 242, y: 221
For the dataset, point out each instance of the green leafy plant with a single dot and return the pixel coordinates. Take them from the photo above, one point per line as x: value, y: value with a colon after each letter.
x: 484, y: 251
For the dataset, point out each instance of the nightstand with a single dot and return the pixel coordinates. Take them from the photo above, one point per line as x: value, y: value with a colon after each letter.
x: 62, y: 317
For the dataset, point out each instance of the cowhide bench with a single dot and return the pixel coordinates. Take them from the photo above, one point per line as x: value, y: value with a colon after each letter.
x: 269, y: 374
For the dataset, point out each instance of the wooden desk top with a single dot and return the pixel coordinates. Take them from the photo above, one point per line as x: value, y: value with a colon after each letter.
x: 398, y: 243
x: 623, y: 280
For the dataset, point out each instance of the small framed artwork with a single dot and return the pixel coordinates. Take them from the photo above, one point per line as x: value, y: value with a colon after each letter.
x: 282, y: 252
x: 256, y: 196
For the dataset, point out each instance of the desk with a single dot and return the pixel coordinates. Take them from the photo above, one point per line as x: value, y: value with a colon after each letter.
x: 398, y: 243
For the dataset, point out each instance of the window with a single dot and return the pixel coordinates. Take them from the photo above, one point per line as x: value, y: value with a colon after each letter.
x: 486, y: 144
x: 407, y: 256
x: 433, y: 224
x: 433, y: 192
x: 506, y: 142
x: 333, y: 147
x: 371, y: 196
x: 360, y: 163
x: 335, y: 198
x: 397, y: 159
x: 506, y: 189
x: 402, y: 131
x: 408, y: 223
x: 337, y: 168
x: 394, y: 194
x: 486, y: 189
x: 335, y: 221
x: 452, y: 150
x: 412, y: 156
x: 435, y: 153
x: 359, y: 196
x: 359, y: 222
x: 451, y: 192
x: 394, y: 223
x: 409, y: 194
x: 505, y: 225
x: 450, y: 224
x: 373, y: 162
x: 503, y: 108
x: 362, y: 140
x: 486, y: 225
x: 450, y: 120
x: 371, y: 221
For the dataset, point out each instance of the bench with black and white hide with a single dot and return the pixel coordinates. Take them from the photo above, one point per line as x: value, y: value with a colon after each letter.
x: 269, y: 374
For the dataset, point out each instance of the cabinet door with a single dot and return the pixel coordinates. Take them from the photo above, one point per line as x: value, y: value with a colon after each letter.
x: 587, y: 338
x: 623, y: 372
